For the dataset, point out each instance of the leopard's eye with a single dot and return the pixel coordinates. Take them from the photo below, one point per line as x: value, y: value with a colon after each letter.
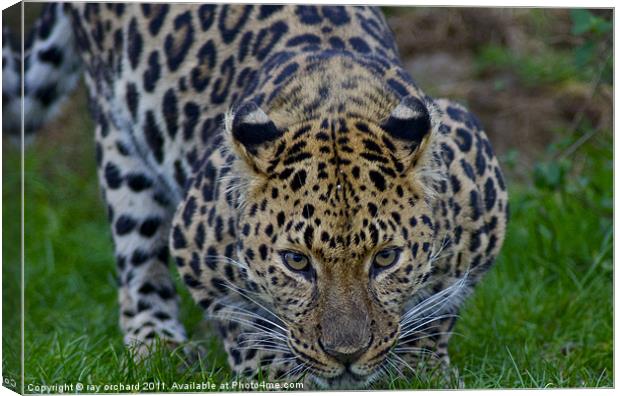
x: 386, y: 258
x: 295, y: 261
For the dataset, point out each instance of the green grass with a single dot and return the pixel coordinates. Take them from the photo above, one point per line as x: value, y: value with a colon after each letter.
x: 11, y: 273
x: 532, y: 70
x: 543, y: 317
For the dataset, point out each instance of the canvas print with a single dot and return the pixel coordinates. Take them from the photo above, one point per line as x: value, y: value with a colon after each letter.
x: 204, y: 197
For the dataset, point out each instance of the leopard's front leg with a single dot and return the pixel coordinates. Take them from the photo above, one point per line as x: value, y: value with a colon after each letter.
x: 139, y: 212
x: 425, y: 350
x: 251, y: 355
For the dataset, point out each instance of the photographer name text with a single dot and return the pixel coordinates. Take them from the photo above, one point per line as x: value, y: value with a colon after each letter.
x: 203, y: 386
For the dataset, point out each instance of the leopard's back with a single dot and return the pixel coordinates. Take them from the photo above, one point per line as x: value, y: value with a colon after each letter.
x: 166, y: 75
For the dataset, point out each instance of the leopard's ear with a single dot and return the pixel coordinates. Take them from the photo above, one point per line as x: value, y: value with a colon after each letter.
x: 410, y: 125
x: 253, y: 134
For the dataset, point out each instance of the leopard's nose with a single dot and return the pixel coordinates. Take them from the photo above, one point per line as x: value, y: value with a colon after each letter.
x: 344, y: 353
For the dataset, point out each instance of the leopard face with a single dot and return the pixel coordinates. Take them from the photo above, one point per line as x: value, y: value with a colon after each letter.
x: 322, y: 231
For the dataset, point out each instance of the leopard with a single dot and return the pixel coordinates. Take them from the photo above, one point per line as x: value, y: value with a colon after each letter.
x: 328, y: 216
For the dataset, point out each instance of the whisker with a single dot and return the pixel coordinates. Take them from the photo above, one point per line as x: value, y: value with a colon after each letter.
x: 419, y: 325
x: 421, y: 350
x: 228, y: 260
x: 262, y: 349
x: 242, y: 321
x: 415, y: 325
x: 377, y: 375
x: 444, y: 244
x: 250, y: 335
x: 395, y: 367
x: 262, y: 342
x: 282, y: 348
x: 406, y: 364
x: 304, y: 371
x: 293, y: 371
x: 415, y: 320
x: 265, y: 341
x: 284, y: 359
x: 435, y: 299
x: 242, y: 293
x: 405, y: 340
x: 247, y: 313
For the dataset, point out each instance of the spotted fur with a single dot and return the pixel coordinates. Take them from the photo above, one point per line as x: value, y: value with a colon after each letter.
x: 239, y: 133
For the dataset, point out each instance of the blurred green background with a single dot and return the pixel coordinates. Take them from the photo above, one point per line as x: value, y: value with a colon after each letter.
x: 541, y: 82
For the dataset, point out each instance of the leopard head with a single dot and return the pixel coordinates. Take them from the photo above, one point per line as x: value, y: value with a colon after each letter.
x: 336, y: 229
